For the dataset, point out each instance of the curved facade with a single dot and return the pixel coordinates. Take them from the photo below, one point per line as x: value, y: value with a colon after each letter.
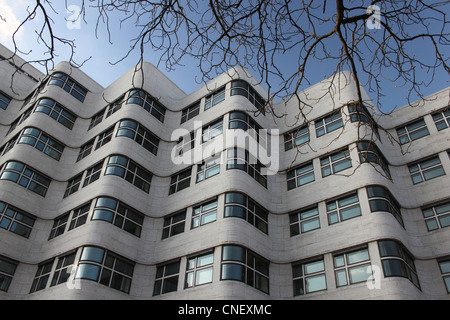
x: 103, y: 194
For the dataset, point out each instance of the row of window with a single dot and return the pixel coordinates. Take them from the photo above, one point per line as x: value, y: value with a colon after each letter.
x: 238, y: 87
x: 236, y: 205
x: 344, y: 208
x: 115, y: 165
x: 326, y: 124
x: 420, y: 171
x: 100, y: 209
x: 333, y: 121
x: 354, y: 266
x: 237, y: 263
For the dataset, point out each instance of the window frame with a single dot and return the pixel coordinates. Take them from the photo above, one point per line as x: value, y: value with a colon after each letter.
x: 420, y: 171
x: 337, y: 209
x: 326, y: 124
x: 406, y: 131
x: 294, y: 176
x: 304, y: 276
x: 331, y: 160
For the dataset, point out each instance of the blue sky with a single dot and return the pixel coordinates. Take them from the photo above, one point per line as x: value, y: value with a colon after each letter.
x: 102, y: 53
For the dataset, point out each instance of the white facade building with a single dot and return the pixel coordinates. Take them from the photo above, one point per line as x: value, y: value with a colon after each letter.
x: 93, y: 205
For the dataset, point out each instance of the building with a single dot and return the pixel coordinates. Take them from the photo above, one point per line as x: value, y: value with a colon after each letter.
x: 93, y: 205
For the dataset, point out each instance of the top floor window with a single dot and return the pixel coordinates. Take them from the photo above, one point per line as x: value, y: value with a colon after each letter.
x: 4, y: 101
x: 190, y: 112
x: 329, y: 123
x: 442, y: 119
x: 64, y: 81
x: 242, y: 88
x: 214, y: 98
x: 412, y: 131
x: 296, y: 138
x: 149, y: 104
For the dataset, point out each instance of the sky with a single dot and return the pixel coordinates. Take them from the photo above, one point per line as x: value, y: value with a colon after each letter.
x: 101, y: 53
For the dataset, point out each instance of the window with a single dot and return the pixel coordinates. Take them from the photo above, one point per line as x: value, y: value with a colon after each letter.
x: 359, y: 113
x: 106, y: 268
x: 115, y: 106
x: 149, y: 104
x: 442, y: 119
x: 212, y: 130
x: 369, y: 152
x: 42, y: 142
x: 85, y: 149
x: 204, y: 213
x: 344, y: 208
x: 437, y: 216
x: 413, y: 131
x: 190, y: 112
x: 296, y: 138
x: 174, y: 224
x: 7, y: 270
x: 214, y: 98
x: 56, y: 112
x: 352, y: 267
x: 138, y: 133
x: 304, y: 221
x: 242, y: 160
x: 115, y: 212
x: 42, y: 275
x: 242, y: 264
x: 185, y: 143
x: 335, y: 162
x: 65, y: 82
x: 73, y: 185
x: 130, y: 171
x: 309, y: 277
x: 426, y: 170
x: 180, y: 181
x: 329, y: 123
x: 9, y: 145
x: 26, y: 177
x: 104, y: 137
x: 19, y: 120
x: 380, y: 199
x: 208, y: 168
x: 300, y: 176
x: 93, y: 174
x: 242, y: 88
x: 397, y: 261
x: 4, y: 101
x: 15, y: 220
x: 63, y: 269
x: 59, y: 226
x: 240, y: 120
x: 79, y: 216
x: 241, y: 206
x: 199, y: 270
x: 166, y: 278
x: 96, y: 119
x: 444, y: 266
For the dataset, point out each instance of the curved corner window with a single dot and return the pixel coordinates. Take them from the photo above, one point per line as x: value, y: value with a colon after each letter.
x: 241, y: 206
x: 26, y: 177
x: 149, y: 104
x: 242, y: 88
x: 397, y: 261
x: 120, y: 215
x: 55, y: 111
x: 125, y: 168
x: 42, y: 142
x: 242, y: 264
x: 380, y: 199
x: 64, y: 81
x: 106, y: 268
x: 135, y: 131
